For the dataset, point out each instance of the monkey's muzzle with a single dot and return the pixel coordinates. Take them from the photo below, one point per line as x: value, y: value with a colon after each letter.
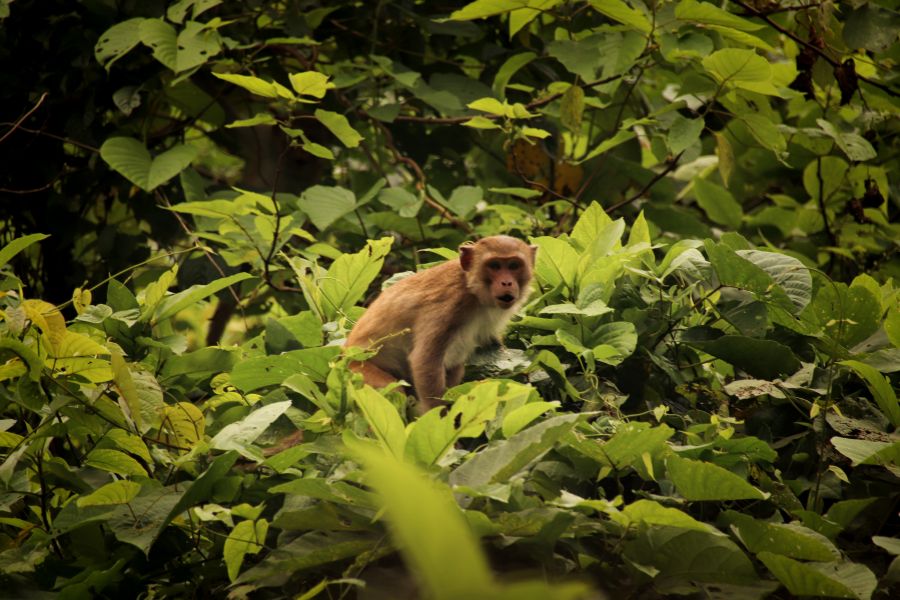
x: 506, y: 300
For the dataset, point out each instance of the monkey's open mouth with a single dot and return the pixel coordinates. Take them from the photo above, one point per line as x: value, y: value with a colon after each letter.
x: 506, y: 298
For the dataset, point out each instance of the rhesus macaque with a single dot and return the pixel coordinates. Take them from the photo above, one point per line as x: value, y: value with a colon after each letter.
x: 427, y: 325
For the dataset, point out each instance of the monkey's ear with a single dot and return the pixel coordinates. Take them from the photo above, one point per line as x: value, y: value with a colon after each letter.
x: 466, y: 256
x: 534, y: 250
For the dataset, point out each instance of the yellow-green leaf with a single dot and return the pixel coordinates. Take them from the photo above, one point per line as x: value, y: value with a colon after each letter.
x: 340, y: 127
x: 117, y: 492
x: 247, y: 537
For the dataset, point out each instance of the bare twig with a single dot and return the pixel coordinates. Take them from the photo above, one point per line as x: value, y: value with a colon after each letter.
x: 669, y: 168
x: 23, y: 117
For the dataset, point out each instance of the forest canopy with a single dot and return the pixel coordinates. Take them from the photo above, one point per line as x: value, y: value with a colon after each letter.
x: 201, y: 197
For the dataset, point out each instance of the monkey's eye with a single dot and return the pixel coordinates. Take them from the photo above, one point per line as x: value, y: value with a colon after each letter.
x: 514, y: 265
x: 493, y: 265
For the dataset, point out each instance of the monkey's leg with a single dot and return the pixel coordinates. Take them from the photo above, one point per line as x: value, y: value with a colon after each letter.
x: 455, y: 375
x: 372, y: 374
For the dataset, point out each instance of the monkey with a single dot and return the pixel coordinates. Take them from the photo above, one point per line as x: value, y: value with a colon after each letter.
x: 425, y: 326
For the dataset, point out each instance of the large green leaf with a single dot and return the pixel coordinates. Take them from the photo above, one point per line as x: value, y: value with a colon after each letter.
x: 340, y: 127
x: 349, y: 276
x: 832, y: 580
x: 238, y: 436
x: 698, y: 480
x: 556, y: 264
x: 618, y: 10
x: 786, y: 539
x: 480, y: 9
x: 677, y: 556
x: 131, y: 159
x: 430, y: 529
x: 117, y: 41
x: 881, y: 389
x: 503, y: 460
x: 383, y: 419
x: 718, y: 203
x: 708, y: 13
x: 175, y: 303
x: 740, y: 68
x: 19, y: 244
x: 765, y: 359
x: 788, y: 272
x: 247, y: 537
x: 325, y: 204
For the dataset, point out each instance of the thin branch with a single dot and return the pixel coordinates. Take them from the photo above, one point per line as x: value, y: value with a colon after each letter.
x: 824, y: 55
x: 669, y: 168
x: 23, y: 117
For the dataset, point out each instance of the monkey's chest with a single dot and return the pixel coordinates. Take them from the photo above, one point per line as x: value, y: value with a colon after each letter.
x: 478, y: 331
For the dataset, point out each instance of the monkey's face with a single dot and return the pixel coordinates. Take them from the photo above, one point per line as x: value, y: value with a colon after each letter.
x: 503, y: 276
x: 498, y: 269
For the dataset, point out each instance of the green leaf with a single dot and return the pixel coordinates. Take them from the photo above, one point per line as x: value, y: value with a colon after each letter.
x: 869, y: 452
x: 247, y: 537
x: 682, y: 558
x: 650, y: 512
x: 19, y: 244
x: 617, y: 10
x: 481, y: 9
x: 764, y: 131
x: 117, y: 492
x: 614, y: 342
x: 238, y: 436
x: 709, y: 14
x: 131, y: 159
x: 432, y: 435
x: 117, y: 41
x: 429, y: 528
x: 196, y: 44
x: 175, y: 303
x: 880, y: 387
x: 383, y: 419
x: 628, y: 445
x: 502, y: 461
x: 481, y: 123
x: 856, y: 147
x: 621, y: 136
x: 310, y: 83
x: 490, y: 106
x: 261, y: 371
x: 114, y: 462
x: 824, y: 176
x: 349, y: 276
x: 718, y: 204
x: 697, y: 480
x: 557, y: 262
x: 834, y: 580
x: 740, y: 68
x: 404, y: 203
x: 764, y: 359
x: 848, y: 314
x: 683, y: 134
x: 790, y: 274
x: 124, y: 382
x: 257, y: 86
x: 340, y: 127
x: 326, y: 204
x: 162, y: 39
x: 258, y: 119
x: 519, y: 418
x: 789, y: 539
x: 509, y: 68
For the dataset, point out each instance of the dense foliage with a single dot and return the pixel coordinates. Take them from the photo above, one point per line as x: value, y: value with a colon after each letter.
x: 699, y: 399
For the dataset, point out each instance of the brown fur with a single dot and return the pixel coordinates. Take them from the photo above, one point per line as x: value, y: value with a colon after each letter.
x: 427, y: 325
